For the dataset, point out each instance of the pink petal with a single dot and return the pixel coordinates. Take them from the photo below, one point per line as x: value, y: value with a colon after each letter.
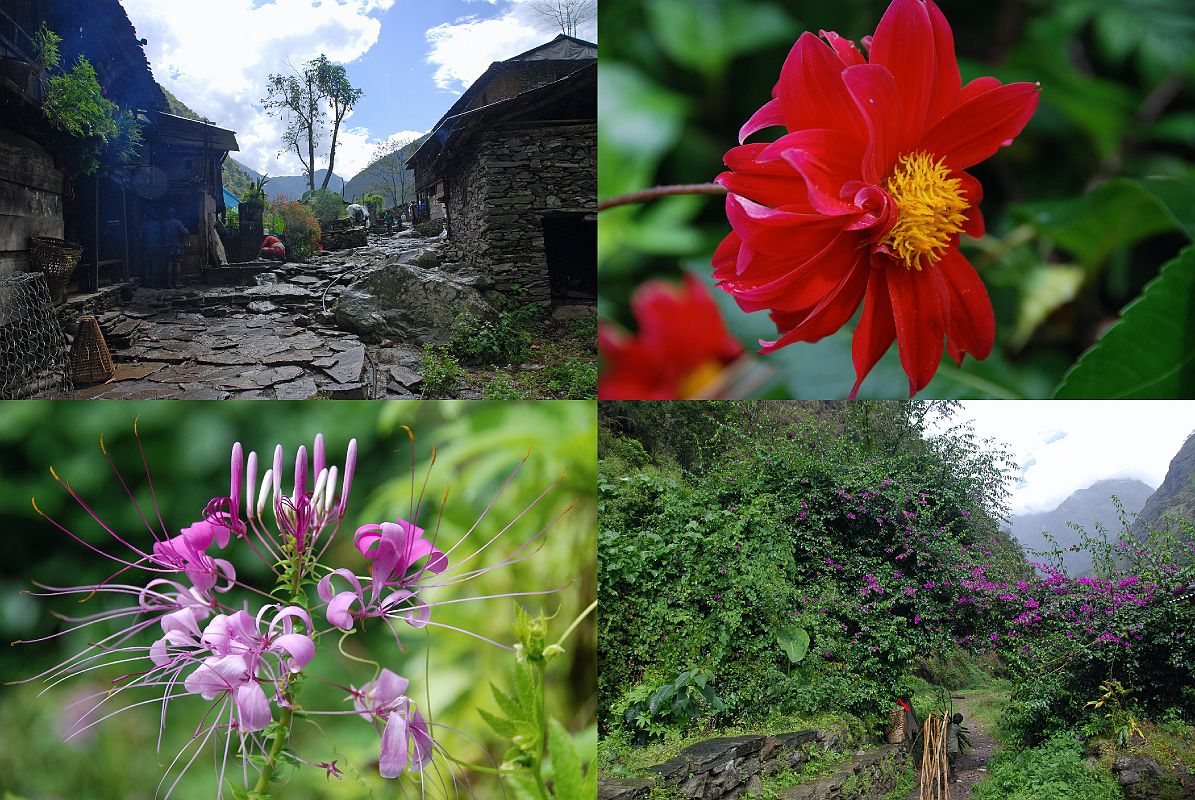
x: 338, y: 612
x: 388, y: 687
x: 393, y: 759
x: 300, y: 648
x: 253, y: 710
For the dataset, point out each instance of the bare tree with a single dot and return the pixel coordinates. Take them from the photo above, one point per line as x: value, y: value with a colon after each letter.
x: 567, y: 15
x: 389, y: 172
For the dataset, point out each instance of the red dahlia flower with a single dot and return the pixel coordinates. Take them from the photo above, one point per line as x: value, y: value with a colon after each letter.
x: 681, y: 350
x: 864, y: 199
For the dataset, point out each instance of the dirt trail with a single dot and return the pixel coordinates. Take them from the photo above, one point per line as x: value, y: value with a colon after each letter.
x: 972, y: 765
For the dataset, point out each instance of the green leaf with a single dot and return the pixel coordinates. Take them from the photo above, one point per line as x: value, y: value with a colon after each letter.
x: 705, y: 35
x: 1115, y: 214
x: 794, y: 641
x: 1150, y: 352
x: 524, y: 787
x: 501, y: 726
x: 1043, y: 290
x: 510, y: 707
x: 526, y: 690
x: 566, y: 765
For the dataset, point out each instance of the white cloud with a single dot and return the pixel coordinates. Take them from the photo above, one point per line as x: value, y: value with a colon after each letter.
x: 216, y: 56
x: 356, y: 147
x: 462, y: 50
x: 1064, y: 446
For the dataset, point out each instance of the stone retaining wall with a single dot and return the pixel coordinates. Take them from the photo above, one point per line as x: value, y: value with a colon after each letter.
x: 729, y: 768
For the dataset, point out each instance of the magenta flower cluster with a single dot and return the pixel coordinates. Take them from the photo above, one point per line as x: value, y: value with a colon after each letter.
x: 246, y: 659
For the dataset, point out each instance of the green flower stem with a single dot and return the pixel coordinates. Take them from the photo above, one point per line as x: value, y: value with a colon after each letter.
x: 540, y: 665
x: 280, y: 739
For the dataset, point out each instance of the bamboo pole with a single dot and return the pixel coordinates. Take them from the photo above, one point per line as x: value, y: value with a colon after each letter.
x: 934, y: 762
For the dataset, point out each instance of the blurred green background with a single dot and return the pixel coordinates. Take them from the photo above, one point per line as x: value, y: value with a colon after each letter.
x: 1060, y: 260
x: 187, y: 446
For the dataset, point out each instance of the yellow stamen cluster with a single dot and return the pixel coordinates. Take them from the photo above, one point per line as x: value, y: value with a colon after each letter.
x: 931, y: 206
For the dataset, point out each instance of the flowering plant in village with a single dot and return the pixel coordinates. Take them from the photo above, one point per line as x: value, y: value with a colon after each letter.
x: 189, y: 629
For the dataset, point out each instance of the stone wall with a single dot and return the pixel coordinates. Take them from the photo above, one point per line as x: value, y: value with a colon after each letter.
x: 30, y: 199
x: 499, y: 192
x: 728, y: 768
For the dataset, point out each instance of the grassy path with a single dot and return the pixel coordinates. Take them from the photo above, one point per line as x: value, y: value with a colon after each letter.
x: 980, y: 708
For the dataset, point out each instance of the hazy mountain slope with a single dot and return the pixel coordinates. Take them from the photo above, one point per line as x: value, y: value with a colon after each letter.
x: 1176, y: 496
x: 1086, y: 507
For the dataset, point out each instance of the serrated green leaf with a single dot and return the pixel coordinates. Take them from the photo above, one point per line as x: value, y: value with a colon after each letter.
x: 505, y: 728
x: 567, y: 781
x: 527, y: 691
x: 1150, y: 352
x: 510, y: 707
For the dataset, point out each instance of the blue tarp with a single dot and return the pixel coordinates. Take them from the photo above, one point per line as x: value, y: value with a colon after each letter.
x: 230, y: 200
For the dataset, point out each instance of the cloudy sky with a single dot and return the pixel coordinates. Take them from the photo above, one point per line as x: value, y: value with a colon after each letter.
x: 1064, y: 446
x: 412, y: 58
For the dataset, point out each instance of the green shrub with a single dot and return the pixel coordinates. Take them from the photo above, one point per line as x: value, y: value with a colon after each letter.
x: 1055, y: 770
x: 296, y: 225
x: 501, y: 387
x: 501, y: 341
x: 442, y: 373
x: 652, y: 711
x: 571, y: 377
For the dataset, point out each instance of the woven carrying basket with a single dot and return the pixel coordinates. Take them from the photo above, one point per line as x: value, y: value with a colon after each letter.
x: 90, y: 360
x: 896, y: 726
x: 57, y: 258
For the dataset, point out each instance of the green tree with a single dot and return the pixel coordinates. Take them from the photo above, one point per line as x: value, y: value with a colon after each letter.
x: 334, y: 83
x: 297, y: 99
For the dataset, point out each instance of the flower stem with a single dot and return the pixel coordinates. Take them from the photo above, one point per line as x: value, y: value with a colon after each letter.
x: 661, y: 191
x: 280, y: 739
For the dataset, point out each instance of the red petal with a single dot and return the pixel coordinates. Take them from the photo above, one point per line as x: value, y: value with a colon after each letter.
x: 825, y: 159
x: 797, y: 283
x: 772, y: 113
x: 979, y: 127
x: 777, y: 232
x: 830, y: 314
x: 973, y: 190
x: 977, y: 87
x: 874, y: 91
x: 811, y: 89
x: 945, y: 92
x: 876, y: 330
x: 918, y: 309
x: 770, y: 182
x: 972, y: 325
x: 904, y: 43
x: 844, y: 48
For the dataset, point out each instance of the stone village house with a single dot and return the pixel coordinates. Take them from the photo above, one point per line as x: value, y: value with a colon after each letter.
x: 512, y: 169
x: 178, y: 168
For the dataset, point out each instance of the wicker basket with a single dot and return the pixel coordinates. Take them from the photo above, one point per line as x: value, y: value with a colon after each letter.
x: 90, y: 360
x: 57, y: 258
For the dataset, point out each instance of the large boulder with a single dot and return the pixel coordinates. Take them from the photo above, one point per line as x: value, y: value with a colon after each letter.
x: 406, y: 302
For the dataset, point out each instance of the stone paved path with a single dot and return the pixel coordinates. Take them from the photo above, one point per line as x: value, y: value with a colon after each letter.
x: 267, y: 336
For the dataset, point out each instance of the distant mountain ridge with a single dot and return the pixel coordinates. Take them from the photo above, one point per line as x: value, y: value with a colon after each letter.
x: 1089, y: 508
x: 1176, y: 496
x: 295, y: 186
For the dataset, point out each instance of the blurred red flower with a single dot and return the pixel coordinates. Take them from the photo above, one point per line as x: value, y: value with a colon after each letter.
x: 680, y: 351
x: 864, y: 199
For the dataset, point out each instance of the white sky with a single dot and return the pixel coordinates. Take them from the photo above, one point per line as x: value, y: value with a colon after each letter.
x: 1063, y: 446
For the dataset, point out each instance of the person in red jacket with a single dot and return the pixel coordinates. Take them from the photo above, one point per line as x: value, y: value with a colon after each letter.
x: 272, y: 249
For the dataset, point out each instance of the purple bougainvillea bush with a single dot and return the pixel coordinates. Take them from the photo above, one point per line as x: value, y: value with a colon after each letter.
x: 185, y: 628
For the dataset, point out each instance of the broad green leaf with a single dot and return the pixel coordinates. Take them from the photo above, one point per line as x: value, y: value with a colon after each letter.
x: 566, y: 766
x: 1150, y: 352
x: 1046, y: 288
x: 501, y: 726
x: 1115, y: 214
x: 705, y: 35
x: 794, y: 641
x: 641, y: 121
x: 524, y: 787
